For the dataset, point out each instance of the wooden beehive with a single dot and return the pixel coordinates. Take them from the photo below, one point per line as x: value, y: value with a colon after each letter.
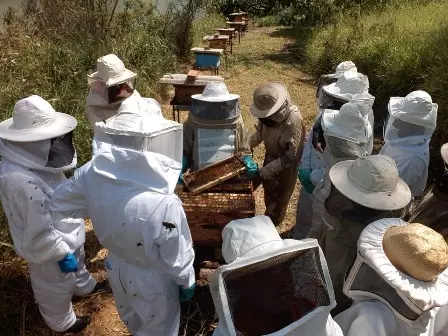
x: 226, y: 31
x: 209, y: 213
x: 183, y: 93
x: 219, y: 43
x: 214, y: 174
x: 239, y: 26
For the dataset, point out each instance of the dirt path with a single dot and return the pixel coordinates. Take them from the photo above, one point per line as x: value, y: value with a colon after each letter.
x: 260, y: 58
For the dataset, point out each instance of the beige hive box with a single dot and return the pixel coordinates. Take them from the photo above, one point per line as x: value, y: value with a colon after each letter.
x: 416, y: 250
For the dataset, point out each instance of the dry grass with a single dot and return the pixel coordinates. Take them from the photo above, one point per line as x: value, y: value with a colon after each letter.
x: 260, y: 58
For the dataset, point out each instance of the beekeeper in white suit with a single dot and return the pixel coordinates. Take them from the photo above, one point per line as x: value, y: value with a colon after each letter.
x: 36, y: 148
x: 271, y: 286
x: 127, y: 190
x: 312, y: 166
x: 412, y: 121
x: 112, y: 89
x: 398, y: 281
x: 348, y: 135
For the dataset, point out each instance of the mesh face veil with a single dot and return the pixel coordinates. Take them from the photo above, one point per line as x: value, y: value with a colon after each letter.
x: 115, y: 93
x: 364, y: 281
x: 338, y: 149
x: 264, y: 295
x: 397, y: 130
x: 61, y: 152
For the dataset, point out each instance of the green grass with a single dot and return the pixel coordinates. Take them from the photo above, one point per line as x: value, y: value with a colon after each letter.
x: 401, y: 48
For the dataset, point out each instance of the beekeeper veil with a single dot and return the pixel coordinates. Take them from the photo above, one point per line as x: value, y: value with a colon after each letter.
x: 38, y: 137
x: 270, y: 286
x: 403, y: 266
x: 348, y: 134
x: 140, y: 149
x: 412, y: 120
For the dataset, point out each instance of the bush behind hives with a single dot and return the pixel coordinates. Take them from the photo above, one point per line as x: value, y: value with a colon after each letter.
x: 401, y: 48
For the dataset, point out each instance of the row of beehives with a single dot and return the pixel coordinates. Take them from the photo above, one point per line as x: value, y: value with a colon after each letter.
x: 214, y: 196
x: 221, y: 42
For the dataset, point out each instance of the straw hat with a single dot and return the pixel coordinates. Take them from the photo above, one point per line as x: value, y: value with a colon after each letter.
x: 371, y: 181
x: 34, y: 119
x: 215, y: 92
x: 444, y: 152
x: 268, y: 99
x: 416, y: 108
x: 111, y: 71
x: 416, y: 250
x: 350, y: 86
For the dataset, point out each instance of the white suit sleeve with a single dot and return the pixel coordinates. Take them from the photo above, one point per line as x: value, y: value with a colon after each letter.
x: 69, y: 198
x: 176, y: 245
x: 307, y: 150
x: 41, y: 243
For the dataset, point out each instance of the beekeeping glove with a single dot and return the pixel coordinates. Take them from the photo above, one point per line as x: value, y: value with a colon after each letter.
x: 68, y: 264
x: 251, y: 166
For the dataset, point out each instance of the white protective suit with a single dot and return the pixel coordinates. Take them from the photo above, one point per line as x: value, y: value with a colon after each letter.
x: 27, y: 183
x: 128, y: 192
x: 412, y: 121
x: 348, y: 135
x: 388, y: 302
x: 271, y: 286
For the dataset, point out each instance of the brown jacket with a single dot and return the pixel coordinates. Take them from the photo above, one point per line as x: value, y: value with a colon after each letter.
x: 283, y: 143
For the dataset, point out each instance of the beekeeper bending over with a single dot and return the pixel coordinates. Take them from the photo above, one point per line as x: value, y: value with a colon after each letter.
x: 112, y: 89
x: 280, y: 127
x: 398, y: 281
x: 215, y: 129
x: 312, y: 166
x: 362, y: 191
x: 412, y: 121
x: 348, y: 136
x: 271, y: 286
x: 36, y: 148
x: 128, y: 192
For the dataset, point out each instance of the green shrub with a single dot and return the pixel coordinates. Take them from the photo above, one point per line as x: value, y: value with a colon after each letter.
x: 268, y: 21
x: 402, y: 48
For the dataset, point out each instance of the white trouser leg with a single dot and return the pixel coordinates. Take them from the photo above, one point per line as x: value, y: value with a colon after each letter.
x: 85, y: 283
x: 304, y: 214
x: 53, y: 291
x: 147, y: 301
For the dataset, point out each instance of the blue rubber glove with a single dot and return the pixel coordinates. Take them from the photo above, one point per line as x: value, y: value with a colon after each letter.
x: 251, y: 166
x: 185, y: 165
x: 68, y: 264
x: 186, y: 295
x: 304, y: 177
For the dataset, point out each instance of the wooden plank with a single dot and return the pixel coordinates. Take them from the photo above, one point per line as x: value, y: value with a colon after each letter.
x: 208, y: 51
x: 214, y: 37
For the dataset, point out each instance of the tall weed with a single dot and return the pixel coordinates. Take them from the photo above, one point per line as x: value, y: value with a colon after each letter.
x: 402, y: 48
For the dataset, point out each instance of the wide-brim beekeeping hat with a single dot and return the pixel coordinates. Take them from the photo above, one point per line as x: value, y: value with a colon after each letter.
x: 215, y: 92
x: 268, y: 99
x: 371, y: 181
x: 34, y: 119
x: 350, y: 86
x: 111, y: 71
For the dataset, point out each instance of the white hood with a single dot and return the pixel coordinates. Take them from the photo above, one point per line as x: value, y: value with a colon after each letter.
x: 139, y: 149
x: 249, y: 243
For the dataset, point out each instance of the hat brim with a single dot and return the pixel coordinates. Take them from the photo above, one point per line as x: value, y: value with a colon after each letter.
x: 217, y: 99
x: 127, y: 75
x: 444, y: 153
x: 396, y: 107
x: 394, y: 200
x: 334, y: 91
x: 62, y: 124
x: 282, y: 97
